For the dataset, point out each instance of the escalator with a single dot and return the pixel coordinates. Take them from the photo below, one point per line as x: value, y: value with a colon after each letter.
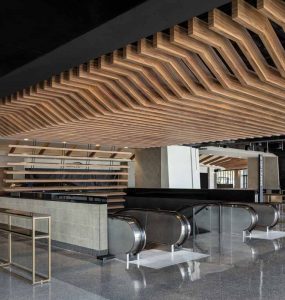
x: 235, y: 218
x: 130, y: 230
x: 231, y: 217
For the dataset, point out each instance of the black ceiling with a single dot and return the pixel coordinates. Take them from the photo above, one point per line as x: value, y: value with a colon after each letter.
x: 41, y: 38
x: 29, y: 29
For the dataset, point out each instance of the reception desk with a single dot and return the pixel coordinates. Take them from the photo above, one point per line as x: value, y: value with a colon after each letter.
x: 78, y: 226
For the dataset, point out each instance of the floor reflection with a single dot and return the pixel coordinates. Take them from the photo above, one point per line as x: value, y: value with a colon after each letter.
x: 234, y: 269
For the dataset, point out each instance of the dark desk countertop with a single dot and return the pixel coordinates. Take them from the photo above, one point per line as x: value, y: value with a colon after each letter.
x: 59, y: 197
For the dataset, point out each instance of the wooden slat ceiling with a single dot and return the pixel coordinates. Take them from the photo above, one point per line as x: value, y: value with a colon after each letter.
x: 200, y: 82
x: 229, y: 163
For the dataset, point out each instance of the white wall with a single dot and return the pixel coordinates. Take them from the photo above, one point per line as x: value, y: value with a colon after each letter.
x: 212, y: 180
x: 183, y: 167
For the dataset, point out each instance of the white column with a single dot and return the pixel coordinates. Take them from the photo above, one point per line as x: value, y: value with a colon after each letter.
x: 183, y: 169
x: 211, y: 178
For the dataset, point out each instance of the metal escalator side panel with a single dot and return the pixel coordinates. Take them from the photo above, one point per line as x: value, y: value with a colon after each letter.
x: 167, y: 229
x: 236, y: 217
x: 241, y: 219
x: 161, y: 227
x: 125, y: 235
x: 268, y: 214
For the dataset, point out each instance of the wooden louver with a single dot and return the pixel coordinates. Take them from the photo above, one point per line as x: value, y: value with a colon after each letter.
x: 201, y: 82
x: 65, y: 170
x: 228, y: 163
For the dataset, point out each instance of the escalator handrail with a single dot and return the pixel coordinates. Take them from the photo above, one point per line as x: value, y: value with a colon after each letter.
x: 184, y: 236
x: 276, y: 215
x: 204, y: 205
x: 145, y: 209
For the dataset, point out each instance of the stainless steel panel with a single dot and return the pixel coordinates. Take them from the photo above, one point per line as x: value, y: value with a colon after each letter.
x: 161, y: 227
x: 227, y: 217
x: 125, y: 235
x: 238, y: 217
x: 268, y: 214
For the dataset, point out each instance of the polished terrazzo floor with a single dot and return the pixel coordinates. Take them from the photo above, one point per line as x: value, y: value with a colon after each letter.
x: 254, y: 269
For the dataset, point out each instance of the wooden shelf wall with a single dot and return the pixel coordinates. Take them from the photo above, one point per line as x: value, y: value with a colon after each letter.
x: 61, y: 169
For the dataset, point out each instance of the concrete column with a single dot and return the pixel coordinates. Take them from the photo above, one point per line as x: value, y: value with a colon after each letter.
x: 271, y: 173
x: 148, y: 168
x: 168, y: 167
x: 237, y: 179
x: 215, y: 179
x: 132, y: 174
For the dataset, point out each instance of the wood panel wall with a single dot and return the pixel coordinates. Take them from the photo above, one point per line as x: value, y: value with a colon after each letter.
x: 203, y: 80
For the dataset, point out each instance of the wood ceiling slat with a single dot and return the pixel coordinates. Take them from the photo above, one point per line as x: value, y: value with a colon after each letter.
x: 250, y: 18
x: 242, y: 104
x: 273, y: 9
x: 207, y: 82
x: 67, y: 157
x: 63, y: 173
x: 64, y: 180
x: 223, y: 24
x: 206, y: 158
x: 65, y: 165
x: 224, y: 162
x: 201, y: 31
x: 69, y: 149
x: 64, y: 188
x: 214, y: 160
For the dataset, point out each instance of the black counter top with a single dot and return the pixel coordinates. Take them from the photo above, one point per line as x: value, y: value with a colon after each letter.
x: 59, y: 197
x: 177, y: 199
x: 225, y: 195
